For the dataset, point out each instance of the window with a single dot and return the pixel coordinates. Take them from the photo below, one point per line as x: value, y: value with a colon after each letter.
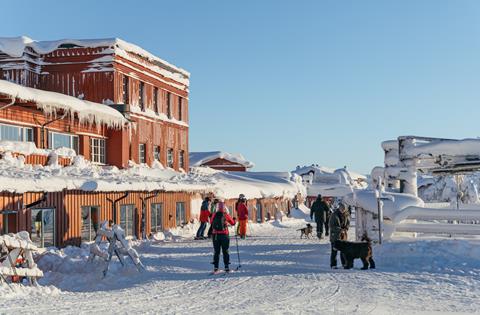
x: 181, y: 214
x: 16, y: 133
x: 125, y: 90
x: 180, y: 108
x: 155, y: 100
x: 181, y: 159
x: 62, y: 140
x: 97, y: 150
x: 156, y: 217
x: 141, y: 96
x: 142, y: 156
x: 170, y: 158
x: 156, y: 153
x: 126, y: 219
x: 90, y: 222
x: 169, y: 105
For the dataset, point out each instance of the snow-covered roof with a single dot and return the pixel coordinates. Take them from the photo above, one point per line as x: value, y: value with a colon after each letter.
x: 15, y: 47
x: 200, y: 158
x: 322, y: 172
x: 443, y: 147
x: 17, y: 177
x: 51, y: 102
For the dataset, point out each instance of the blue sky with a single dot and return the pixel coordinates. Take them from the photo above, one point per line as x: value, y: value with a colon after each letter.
x: 289, y: 83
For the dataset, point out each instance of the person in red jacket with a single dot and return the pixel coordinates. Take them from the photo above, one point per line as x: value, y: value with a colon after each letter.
x: 242, y: 212
x: 204, y: 216
x: 220, y: 221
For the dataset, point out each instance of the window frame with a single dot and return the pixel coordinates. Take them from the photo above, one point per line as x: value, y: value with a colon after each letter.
x: 140, y: 156
x: 98, y: 157
x: 157, y: 153
x: 25, y: 134
x: 181, y: 159
x: 73, y: 145
x: 180, y: 109
x: 170, y: 158
x: 141, y: 95
x: 169, y: 105
x: 125, y: 89
x: 155, y: 100
x: 180, y: 213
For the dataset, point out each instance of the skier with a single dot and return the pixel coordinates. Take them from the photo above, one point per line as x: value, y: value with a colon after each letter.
x: 242, y: 212
x: 204, y: 216
x: 213, y: 209
x: 321, y: 211
x: 220, y: 221
x: 339, y: 225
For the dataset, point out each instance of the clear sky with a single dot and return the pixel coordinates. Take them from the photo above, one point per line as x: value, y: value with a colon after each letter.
x: 296, y: 82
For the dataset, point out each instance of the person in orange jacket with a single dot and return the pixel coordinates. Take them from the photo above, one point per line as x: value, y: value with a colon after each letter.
x: 221, y: 240
x: 242, y: 212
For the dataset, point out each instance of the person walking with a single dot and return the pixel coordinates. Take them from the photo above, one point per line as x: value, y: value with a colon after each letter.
x: 320, y: 210
x: 204, y: 216
x: 242, y: 213
x: 339, y: 225
x: 221, y: 240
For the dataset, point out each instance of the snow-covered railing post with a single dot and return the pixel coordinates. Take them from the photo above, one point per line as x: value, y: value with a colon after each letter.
x: 380, y: 198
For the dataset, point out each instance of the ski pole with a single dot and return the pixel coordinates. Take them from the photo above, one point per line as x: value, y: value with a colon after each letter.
x: 238, y: 253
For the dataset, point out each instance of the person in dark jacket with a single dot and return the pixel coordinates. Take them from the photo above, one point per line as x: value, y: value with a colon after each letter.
x: 339, y: 225
x: 204, y: 216
x: 221, y: 239
x: 320, y: 210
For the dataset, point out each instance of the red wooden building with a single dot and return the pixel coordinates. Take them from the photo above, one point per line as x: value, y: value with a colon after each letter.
x: 151, y: 93
x: 108, y: 100
x: 220, y: 161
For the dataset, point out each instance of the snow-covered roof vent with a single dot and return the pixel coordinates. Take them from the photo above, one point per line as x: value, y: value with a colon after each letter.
x: 15, y: 47
x: 50, y: 102
x: 201, y: 158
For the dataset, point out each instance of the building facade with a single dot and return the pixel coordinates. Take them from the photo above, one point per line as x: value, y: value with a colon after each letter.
x: 151, y: 93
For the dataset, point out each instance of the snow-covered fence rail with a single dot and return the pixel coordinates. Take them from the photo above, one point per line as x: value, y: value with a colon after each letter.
x: 402, y: 221
x: 16, y: 258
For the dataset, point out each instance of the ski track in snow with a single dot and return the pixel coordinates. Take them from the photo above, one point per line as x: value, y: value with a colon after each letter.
x: 280, y: 274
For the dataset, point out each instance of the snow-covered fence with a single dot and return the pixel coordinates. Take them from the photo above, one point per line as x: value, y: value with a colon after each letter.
x: 117, y: 244
x: 407, y: 214
x: 16, y: 258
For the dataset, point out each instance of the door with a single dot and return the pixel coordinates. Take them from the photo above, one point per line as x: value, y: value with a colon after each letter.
x: 181, y: 215
x: 156, y: 217
x: 259, y: 212
x: 127, y: 219
x: 90, y: 222
x: 42, y: 229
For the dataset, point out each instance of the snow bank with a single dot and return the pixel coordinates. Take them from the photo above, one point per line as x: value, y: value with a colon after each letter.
x: 52, y: 102
x: 28, y: 148
x: 201, y: 158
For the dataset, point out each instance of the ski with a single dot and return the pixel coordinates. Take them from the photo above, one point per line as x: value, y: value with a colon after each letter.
x: 221, y: 272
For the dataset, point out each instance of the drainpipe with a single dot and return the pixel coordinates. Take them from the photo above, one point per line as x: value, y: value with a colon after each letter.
x: 114, y: 206
x: 9, y: 104
x: 144, y: 211
x: 33, y: 204
x: 42, y: 130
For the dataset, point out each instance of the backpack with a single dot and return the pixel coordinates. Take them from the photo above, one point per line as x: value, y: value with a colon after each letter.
x: 218, y: 223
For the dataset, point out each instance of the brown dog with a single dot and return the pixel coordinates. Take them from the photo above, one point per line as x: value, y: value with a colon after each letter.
x: 353, y: 250
x: 307, y: 231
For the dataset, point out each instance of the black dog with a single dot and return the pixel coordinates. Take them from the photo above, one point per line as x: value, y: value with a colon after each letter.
x: 307, y: 231
x: 352, y: 250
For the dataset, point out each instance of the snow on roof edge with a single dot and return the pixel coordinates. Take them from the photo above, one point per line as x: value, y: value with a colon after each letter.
x: 50, y: 102
x: 200, y: 158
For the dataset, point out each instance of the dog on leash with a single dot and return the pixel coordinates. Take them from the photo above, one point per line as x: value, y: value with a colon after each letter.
x: 307, y: 231
x: 353, y: 250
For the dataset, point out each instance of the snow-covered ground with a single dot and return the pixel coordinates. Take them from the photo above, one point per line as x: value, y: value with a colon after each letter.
x: 280, y: 274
